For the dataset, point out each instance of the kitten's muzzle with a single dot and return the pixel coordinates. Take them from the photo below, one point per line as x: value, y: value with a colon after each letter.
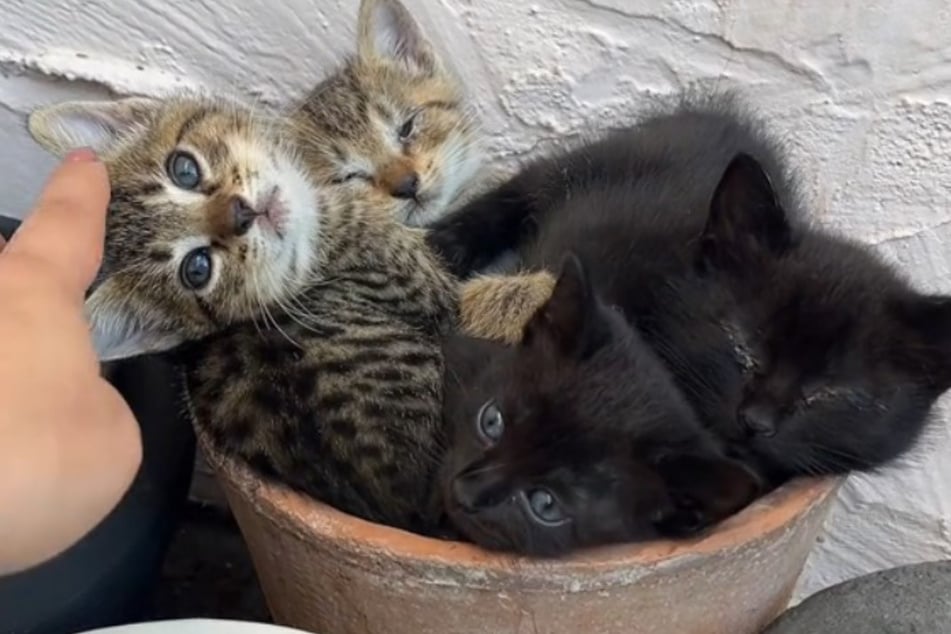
x: 478, y: 487
x: 242, y: 215
x: 758, y: 419
x: 406, y: 187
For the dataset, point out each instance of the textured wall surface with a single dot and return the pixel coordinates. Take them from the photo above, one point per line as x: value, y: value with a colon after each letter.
x: 861, y: 89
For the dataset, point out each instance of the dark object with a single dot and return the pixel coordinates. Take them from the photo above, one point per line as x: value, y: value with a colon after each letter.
x: 8, y: 226
x: 913, y: 599
x: 208, y: 571
x: 591, y: 458
x: 107, y: 577
x: 804, y: 351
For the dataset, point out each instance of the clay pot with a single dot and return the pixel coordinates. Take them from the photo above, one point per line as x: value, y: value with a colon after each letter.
x: 327, y: 572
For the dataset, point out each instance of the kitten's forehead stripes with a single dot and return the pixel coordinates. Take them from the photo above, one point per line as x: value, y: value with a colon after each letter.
x: 190, y: 123
x: 436, y: 104
x: 151, y: 188
x: 159, y: 254
x: 442, y: 105
x: 384, y: 110
x: 338, y: 152
x: 215, y: 152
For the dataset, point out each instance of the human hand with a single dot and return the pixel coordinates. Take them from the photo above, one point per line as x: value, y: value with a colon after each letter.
x: 69, y: 445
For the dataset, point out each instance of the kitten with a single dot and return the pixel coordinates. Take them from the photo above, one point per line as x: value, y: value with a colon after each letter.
x: 392, y: 125
x: 313, y: 318
x: 307, y: 315
x: 842, y: 359
x: 577, y: 436
x: 801, y: 349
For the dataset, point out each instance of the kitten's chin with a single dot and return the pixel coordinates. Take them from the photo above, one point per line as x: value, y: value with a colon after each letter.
x: 418, y: 214
x: 289, y: 256
x: 470, y: 530
x: 439, y: 197
x: 428, y: 208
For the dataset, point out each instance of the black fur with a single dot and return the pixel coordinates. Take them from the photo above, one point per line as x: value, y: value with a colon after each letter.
x: 801, y: 350
x: 846, y: 357
x: 592, y: 418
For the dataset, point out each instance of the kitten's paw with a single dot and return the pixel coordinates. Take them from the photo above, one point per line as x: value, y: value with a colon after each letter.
x: 497, y: 307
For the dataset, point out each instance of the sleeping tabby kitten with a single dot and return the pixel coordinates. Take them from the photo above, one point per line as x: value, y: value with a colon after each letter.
x: 800, y: 350
x: 392, y: 126
x: 312, y: 313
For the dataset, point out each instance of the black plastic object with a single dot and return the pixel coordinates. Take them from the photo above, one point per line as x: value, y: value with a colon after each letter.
x: 8, y: 226
x: 107, y: 577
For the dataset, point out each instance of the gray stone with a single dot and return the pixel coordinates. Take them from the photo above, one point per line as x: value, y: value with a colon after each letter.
x: 913, y: 599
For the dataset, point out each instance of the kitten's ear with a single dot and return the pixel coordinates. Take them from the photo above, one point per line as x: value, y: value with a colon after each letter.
x: 117, y: 332
x: 94, y: 124
x: 745, y: 219
x: 386, y: 31
x: 704, y: 489
x: 928, y: 318
x: 568, y: 320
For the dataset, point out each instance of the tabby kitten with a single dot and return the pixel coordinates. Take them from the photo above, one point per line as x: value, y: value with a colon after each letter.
x: 311, y: 313
x: 392, y: 125
x: 802, y: 351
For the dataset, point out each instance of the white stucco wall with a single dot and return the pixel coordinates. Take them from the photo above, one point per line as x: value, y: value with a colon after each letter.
x: 862, y: 88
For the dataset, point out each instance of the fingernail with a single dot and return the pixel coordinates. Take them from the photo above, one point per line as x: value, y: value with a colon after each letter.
x: 82, y: 155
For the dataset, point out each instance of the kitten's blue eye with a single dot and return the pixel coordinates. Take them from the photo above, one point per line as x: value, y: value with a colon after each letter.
x: 491, y: 423
x: 183, y: 169
x: 195, y: 270
x: 545, y: 507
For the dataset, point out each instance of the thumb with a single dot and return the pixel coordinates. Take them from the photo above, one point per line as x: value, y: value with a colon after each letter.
x: 66, y: 228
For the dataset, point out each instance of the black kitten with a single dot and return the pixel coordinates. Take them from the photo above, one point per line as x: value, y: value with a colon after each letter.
x: 843, y: 359
x: 801, y: 349
x: 577, y: 436
x: 662, y: 170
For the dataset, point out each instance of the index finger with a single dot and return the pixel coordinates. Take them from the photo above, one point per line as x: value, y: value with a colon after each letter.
x: 67, y: 226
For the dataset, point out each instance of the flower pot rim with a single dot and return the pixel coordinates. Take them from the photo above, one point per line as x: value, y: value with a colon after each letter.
x: 311, y: 519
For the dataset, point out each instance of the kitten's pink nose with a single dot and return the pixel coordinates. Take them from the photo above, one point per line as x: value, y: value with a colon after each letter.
x: 242, y: 215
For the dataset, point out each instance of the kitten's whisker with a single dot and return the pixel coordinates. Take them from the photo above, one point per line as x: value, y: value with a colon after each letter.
x: 262, y: 308
x: 250, y: 310
x: 277, y: 326
x: 486, y: 469
x: 295, y: 310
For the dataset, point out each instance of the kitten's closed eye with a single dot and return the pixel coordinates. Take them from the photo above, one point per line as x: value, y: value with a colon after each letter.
x: 350, y: 176
x: 822, y: 388
x: 406, y: 129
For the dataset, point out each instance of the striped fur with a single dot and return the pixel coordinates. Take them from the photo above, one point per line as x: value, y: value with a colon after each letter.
x: 314, y: 355
x: 340, y: 394
x: 329, y: 380
x: 349, y: 125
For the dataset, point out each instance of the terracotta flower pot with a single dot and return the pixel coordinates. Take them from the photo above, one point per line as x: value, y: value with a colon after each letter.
x: 327, y: 572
